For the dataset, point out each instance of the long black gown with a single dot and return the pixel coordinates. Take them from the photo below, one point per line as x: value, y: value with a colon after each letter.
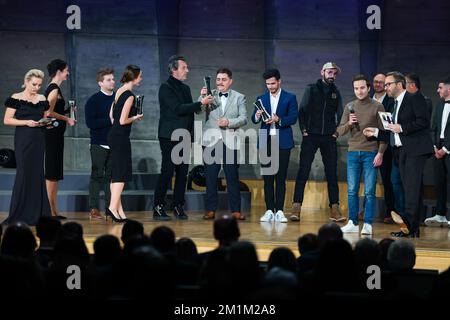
x: 29, y: 199
x: 54, y: 140
x: 119, y: 142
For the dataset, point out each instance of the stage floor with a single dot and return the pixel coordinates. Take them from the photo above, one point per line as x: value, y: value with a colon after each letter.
x: 433, y: 247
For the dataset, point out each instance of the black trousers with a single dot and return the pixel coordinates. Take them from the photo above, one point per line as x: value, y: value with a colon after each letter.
x: 411, y: 172
x: 231, y: 168
x: 328, y: 150
x: 441, y: 171
x: 274, y: 197
x: 168, y: 167
x: 385, y: 171
x: 100, y: 175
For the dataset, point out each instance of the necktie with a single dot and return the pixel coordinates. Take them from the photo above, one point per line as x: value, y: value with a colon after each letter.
x: 223, y: 94
x: 447, y: 101
x: 394, y: 116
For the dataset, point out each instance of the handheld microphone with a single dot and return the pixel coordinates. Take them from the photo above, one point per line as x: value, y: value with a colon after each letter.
x: 352, y: 111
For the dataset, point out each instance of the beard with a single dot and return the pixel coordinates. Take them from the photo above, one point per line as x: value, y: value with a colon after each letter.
x: 329, y: 80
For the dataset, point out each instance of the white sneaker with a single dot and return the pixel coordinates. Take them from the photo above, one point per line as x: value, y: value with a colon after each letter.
x: 367, y: 229
x: 350, y: 227
x: 436, y: 221
x: 267, y: 217
x: 279, y: 216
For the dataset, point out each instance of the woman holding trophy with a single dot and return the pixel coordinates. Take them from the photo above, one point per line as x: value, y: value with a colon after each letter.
x: 25, y: 111
x: 123, y: 113
x: 58, y: 70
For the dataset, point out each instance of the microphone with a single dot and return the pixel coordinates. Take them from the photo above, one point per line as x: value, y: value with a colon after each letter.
x: 352, y: 111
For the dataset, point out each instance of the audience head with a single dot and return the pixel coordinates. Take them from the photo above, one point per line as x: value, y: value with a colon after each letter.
x: 367, y: 253
x: 307, y: 243
x: 186, y: 250
x: 163, y: 239
x: 401, y: 255
x: 283, y: 258
x: 384, y: 248
x: 18, y: 241
x: 226, y: 230
x: 47, y: 230
x: 132, y: 229
x: 106, y: 250
x: 329, y: 232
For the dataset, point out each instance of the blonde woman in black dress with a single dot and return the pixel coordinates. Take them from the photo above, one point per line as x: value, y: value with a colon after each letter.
x: 58, y: 70
x: 122, y: 114
x: 29, y: 199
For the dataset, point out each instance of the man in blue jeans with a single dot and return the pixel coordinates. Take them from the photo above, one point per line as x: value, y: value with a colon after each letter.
x: 363, y: 155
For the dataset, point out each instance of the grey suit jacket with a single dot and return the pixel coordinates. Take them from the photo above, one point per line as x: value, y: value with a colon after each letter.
x: 236, y: 113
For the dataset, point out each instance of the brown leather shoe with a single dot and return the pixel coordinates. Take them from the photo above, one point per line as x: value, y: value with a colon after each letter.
x: 209, y: 215
x: 237, y: 215
x: 397, y: 217
x: 295, y: 211
x: 336, y: 214
x: 94, y: 214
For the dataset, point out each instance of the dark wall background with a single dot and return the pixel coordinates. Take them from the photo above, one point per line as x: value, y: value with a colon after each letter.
x: 246, y: 36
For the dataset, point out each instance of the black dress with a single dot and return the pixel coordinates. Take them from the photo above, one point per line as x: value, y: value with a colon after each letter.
x: 54, y: 140
x: 29, y: 199
x: 119, y: 142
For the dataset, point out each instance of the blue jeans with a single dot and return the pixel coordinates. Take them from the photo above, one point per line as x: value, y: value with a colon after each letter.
x: 361, y: 162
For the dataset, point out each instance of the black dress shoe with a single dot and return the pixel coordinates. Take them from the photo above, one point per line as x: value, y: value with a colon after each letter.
x: 401, y: 234
x: 160, y: 214
x: 179, y: 213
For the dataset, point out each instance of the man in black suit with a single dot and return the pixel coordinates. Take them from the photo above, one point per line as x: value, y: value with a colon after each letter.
x: 392, y: 203
x: 411, y: 140
x: 440, y: 131
x: 176, y: 112
x: 413, y: 86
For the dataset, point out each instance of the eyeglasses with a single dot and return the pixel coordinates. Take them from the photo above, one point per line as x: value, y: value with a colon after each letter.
x: 387, y: 84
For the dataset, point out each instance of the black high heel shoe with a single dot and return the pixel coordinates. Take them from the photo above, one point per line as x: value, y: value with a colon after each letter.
x: 108, y: 213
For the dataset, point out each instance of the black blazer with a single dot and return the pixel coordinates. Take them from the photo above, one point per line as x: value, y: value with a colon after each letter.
x: 436, y: 123
x: 176, y: 108
x: 414, y: 118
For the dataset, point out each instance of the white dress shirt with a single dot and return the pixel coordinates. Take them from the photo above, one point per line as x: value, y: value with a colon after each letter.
x: 399, y: 99
x: 223, y: 102
x: 381, y: 98
x: 274, y: 99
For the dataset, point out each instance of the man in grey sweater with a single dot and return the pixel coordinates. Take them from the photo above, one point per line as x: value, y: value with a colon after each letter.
x: 363, y: 155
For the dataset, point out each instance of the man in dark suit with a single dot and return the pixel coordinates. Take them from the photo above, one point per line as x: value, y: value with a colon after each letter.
x: 413, y: 86
x: 282, y: 107
x: 440, y: 130
x: 176, y: 112
x: 411, y: 140
x: 394, y: 194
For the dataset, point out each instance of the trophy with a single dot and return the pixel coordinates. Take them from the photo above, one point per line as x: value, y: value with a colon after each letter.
x: 264, y: 114
x: 72, y: 109
x: 49, y: 122
x: 207, y: 81
x: 139, y: 104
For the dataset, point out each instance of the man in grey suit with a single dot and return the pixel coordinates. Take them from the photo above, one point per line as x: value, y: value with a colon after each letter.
x: 221, y: 143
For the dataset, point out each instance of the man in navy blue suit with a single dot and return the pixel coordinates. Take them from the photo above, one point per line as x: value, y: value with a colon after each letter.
x: 275, y: 142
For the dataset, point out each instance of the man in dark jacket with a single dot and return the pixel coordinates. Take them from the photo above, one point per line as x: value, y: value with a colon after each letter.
x: 319, y: 114
x: 176, y: 112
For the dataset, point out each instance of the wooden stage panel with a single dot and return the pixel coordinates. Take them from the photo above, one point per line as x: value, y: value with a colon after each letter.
x: 433, y: 248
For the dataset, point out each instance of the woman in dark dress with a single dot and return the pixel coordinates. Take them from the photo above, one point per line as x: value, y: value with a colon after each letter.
x: 122, y: 114
x: 58, y: 70
x: 23, y: 110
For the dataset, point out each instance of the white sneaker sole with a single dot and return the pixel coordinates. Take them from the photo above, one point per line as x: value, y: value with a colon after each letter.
x: 350, y: 231
x: 435, y: 224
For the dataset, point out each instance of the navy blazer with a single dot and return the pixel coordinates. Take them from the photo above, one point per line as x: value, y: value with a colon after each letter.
x: 287, y: 111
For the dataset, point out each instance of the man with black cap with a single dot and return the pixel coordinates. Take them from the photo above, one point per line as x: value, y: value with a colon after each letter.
x: 319, y: 114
